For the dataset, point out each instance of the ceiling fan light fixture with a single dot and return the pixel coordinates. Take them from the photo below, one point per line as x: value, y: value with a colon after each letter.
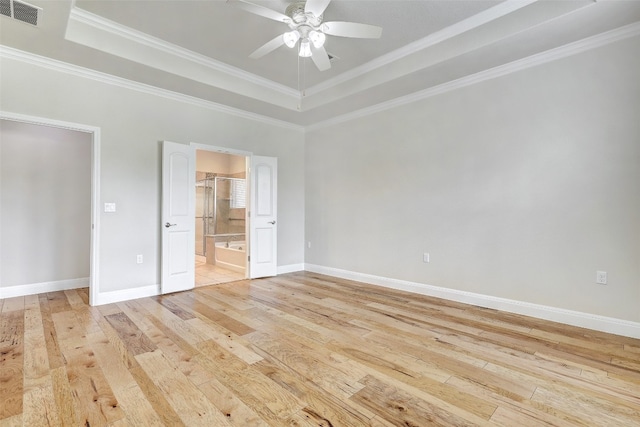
x: 305, y: 48
x: 291, y: 38
x: 317, y: 38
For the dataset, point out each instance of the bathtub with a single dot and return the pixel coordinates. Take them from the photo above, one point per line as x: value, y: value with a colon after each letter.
x: 233, y: 257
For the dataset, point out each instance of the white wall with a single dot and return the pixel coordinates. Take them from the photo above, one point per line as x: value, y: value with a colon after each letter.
x: 133, y: 124
x: 519, y: 187
x: 46, y: 204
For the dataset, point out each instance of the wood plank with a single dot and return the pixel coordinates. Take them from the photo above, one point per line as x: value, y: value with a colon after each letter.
x: 12, y: 304
x: 58, y: 302
x: 229, y: 341
x: 322, y: 408
x: 264, y: 396
x: 234, y: 409
x: 173, y: 347
x: 304, y: 349
x: 172, y: 307
x: 133, y: 338
x: 40, y: 406
x: 93, y: 399
x: 336, y: 381
x: 221, y: 319
x: 63, y: 396
x: 11, y: 362
x: 132, y: 400
x: 50, y: 336
x: 188, y: 402
x: 156, y: 397
x: 36, y: 359
x: 403, y: 409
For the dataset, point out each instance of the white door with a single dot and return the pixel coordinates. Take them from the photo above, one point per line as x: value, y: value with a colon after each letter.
x: 263, y: 234
x: 178, y: 213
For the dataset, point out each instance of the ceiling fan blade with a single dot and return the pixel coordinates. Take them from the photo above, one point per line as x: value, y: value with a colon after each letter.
x: 260, y: 10
x: 316, y: 7
x: 320, y: 58
x: 352, y: 29
x: 268, y: 47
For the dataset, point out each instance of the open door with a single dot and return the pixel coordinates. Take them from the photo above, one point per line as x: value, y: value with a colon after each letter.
x: 178, y: 212
x: 263, y: 260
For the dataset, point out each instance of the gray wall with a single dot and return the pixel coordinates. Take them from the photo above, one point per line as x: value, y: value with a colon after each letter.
x: 519, y: 187
x: 45, y: 199
x: 133, y: 124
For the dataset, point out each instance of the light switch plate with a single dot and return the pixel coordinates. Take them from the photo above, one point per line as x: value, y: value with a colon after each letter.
x: 109, y: 207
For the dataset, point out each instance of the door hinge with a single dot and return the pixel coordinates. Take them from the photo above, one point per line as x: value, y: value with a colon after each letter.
x: 248, y: 257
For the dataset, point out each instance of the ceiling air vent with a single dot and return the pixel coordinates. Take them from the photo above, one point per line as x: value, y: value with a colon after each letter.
x: 20, y: 11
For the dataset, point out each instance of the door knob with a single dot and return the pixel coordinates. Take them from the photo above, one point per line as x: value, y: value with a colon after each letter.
x: 167, y: 225
x: 272, y: 222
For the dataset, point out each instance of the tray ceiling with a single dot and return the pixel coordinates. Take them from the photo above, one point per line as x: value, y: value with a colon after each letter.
x: 200, y: 49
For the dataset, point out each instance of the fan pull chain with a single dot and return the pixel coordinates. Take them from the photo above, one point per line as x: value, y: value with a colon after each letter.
x: 304, y: 77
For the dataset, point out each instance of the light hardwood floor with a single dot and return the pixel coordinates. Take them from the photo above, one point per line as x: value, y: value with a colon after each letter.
x: 305, y: 350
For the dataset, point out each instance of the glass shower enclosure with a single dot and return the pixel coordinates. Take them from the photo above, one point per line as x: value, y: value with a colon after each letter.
x: 220, y: 210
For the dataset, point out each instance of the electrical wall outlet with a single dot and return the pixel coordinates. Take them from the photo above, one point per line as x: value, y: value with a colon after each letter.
x: 309, y: 244
x: 139, y: 259
x: 601, y: 277
x: 109, y: 207
x: 425, y: 257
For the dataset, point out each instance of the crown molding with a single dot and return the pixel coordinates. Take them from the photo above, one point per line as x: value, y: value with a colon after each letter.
x: 103, y: 24
x: 554, y: 54
x: 112, y: 38
x: 583, y: 45
x: 449, y: 32
x: 7, y: 52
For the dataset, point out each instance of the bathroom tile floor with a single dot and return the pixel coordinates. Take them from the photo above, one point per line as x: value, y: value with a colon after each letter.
x: 208, y: 274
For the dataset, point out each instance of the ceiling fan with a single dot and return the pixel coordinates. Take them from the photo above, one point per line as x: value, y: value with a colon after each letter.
x: 307, y: 29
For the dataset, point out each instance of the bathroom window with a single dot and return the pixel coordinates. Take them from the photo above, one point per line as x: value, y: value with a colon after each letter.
x: 238, y: 193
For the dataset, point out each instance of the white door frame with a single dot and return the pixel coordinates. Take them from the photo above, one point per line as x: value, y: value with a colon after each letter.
x: 247, y: 155
x: 94, y: 259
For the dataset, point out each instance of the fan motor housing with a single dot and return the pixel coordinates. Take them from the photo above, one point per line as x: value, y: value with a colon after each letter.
x: 299, y: 17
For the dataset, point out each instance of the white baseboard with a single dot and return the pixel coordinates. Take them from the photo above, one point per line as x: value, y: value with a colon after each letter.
x: 568, y: 317
x: 39, y: 288
x: 127, y: 294
x: 291, y: 268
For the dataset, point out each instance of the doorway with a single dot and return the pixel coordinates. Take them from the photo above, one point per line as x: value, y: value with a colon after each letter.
x: 221, y: 220
x: 59, y: 208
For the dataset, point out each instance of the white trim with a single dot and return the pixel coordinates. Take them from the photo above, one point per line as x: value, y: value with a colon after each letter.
x: 132, y: 35
x: 223, y: 150
x: 554, y: 314
x: 128, y: 294
x: 579, y: 46
x: 75, y: 70
x: 446, y: 33
x: 94, y: 245
x: 554, y: 54
x: 43, y: 287
x: 291, y: 268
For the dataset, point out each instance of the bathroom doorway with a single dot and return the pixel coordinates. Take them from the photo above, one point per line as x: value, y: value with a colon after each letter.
x: 221, y: 217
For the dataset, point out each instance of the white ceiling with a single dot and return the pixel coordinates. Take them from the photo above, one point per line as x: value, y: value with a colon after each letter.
x: 201, y: 48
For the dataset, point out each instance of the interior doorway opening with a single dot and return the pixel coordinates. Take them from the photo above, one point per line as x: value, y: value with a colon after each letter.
x: 73, y: 261
x: 221, y: 220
